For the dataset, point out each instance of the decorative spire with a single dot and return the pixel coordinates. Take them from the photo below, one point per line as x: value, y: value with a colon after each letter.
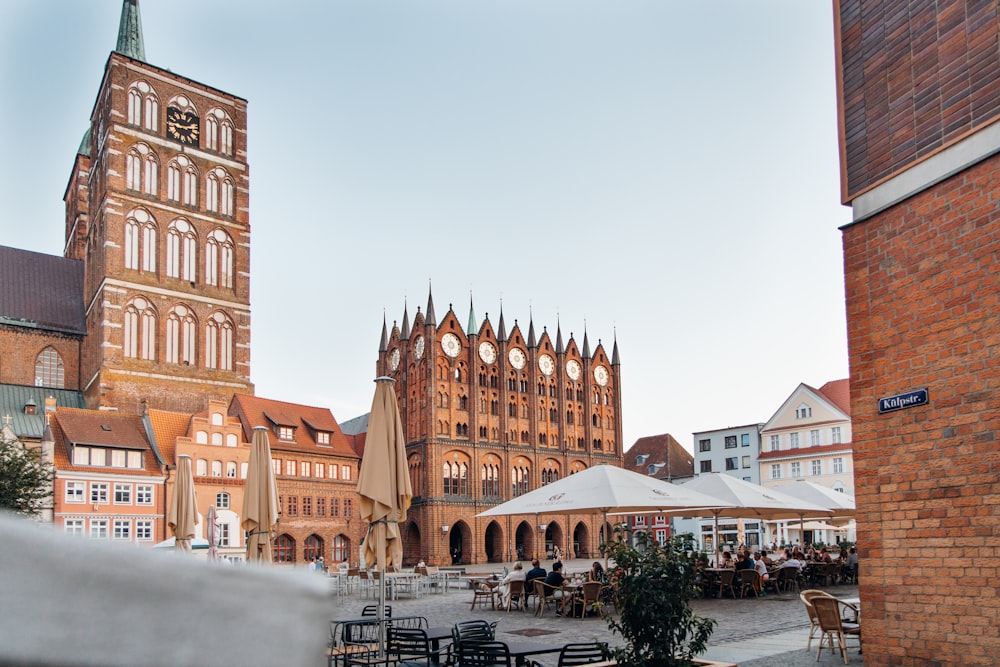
x: 472, y: 329
x: 430, y: 307
x: 531, y: 332
x: 501, y: 329
x: 384, y: 345
x: 130, y: 32
x: 614, y: 352
x: 586, y: 344
x: 405, y: 335
x: 559, y: 341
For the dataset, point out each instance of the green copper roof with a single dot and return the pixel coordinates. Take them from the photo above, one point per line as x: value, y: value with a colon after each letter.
x: 84, y: 148
x: 130, y: 32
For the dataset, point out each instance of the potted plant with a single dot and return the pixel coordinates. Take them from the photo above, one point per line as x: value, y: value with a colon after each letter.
x: 654, y: 585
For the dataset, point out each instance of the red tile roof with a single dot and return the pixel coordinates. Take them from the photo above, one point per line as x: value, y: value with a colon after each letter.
x: 72, y: 426
x: 838, y: 392
x: 305, y: 420
x: 167, y: 427
x: 660, y: 450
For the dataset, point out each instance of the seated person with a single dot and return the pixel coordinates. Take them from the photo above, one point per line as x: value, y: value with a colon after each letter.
x: 503, y: 589
x: 761, y: 568
x: 727, y: 560
x: 553, y: 585
x: 536, y: 572
x: 742, y: 562
x: 597, y: 573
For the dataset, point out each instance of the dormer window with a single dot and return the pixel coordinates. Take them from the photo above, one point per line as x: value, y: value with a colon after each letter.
x: 323, y: 438
x: 30, y: 408
x: 286, y: 433
x: 640, y: 459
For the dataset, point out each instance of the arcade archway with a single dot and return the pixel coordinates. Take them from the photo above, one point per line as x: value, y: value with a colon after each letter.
x: 493, y: 543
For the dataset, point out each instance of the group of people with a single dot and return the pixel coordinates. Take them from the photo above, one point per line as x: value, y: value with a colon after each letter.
x: 554, y: 581
x: 792, y: 557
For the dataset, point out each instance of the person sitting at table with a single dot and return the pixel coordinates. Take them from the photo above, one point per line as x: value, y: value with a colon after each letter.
x: 536, y: 572
x: 727, y: 560
x: 792, y: 561
x: 553, y: 584
x: 504, y: 587
x: 742, y: 562
x: 761, y: 567
x: 597, y: 574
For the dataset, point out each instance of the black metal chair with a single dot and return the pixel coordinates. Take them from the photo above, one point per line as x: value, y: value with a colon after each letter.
x: 408, y: 622
x: 583, y: 653
x: 352, y: 640
x: 483, y: 654
x: 410, y: 647
x: 372, y: 610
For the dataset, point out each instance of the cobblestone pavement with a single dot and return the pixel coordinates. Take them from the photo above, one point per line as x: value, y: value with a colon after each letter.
x: 770, y: 631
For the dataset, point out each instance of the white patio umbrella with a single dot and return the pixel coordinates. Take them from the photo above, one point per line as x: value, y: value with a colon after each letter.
x: 841, y: 503
x: 607, y: 489
x: 751, y: 500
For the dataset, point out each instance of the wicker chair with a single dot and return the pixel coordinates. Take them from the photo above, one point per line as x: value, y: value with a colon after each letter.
x: 591, y: 599
x: 481, y: 594
x: 515, y: 594
x: 726, y: 578
x: 788, y: 577
x: 833, y: 626
x: 807, y: 597
x: 750, y: 581
x: 545, y: 595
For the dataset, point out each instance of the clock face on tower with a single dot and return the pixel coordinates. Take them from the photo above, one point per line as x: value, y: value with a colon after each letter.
x: 517, y: 358
x: 601, y: 375
x: 451, y: 345
x: 394, y: 359
x: 546, y: 364
x: 487, y: 352
x: 573, y: 369
x: 418, y: 348
x: 182, y: 126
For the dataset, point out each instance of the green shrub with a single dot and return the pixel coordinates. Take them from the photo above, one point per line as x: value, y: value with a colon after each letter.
x: 654, y: 586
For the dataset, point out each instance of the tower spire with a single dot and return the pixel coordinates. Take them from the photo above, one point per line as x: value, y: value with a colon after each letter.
x: 430, y: 319
x: 472, y: 329
x: 405, y: 334
x: 130, y: 32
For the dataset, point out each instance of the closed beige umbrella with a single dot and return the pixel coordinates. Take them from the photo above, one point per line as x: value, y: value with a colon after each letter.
x: 260, y: 499
x: 384, y: 481
x: 182, y: 516
x: 384, y: 486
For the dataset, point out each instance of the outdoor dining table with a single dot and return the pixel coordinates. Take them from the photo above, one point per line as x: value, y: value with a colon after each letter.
x: 435, y: 635
x: 522, y: 649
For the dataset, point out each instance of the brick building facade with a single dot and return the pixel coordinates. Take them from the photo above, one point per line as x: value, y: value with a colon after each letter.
x: 919, y: 97
x: 489, y: 415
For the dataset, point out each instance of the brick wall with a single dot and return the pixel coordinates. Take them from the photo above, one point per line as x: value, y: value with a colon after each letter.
x: 923, y: 298
x: 915, y: 76
x: 20, y: 347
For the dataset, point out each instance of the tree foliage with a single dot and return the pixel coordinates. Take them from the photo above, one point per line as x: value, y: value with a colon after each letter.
x: 25, y: 479
x: 655, y: 584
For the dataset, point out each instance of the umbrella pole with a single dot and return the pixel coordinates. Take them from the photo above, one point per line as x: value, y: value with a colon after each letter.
x: 381, y: 614
x: 715, y: 541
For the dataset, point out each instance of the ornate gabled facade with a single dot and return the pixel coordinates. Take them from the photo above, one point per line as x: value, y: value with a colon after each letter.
x: 157, y: 211
x: 489, y: 415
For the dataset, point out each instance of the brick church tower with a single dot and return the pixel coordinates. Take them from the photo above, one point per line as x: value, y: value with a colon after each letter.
x: 157, y: 209
x: 489, y: 415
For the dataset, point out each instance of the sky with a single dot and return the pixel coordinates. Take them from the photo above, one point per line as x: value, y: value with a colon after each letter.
x: 661, y: 173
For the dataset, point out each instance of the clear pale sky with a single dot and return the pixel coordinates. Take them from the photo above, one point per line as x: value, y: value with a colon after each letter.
x: 662, y: 171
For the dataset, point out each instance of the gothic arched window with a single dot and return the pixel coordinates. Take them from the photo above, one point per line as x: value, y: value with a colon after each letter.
x: 219, y: 250
x: 219, y: 342
x: 49, y: 369
x: 139, y: 330
x: 181, y: 250
x: 143, y: 106
x: 140, y: 241
x: 181, y: 336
